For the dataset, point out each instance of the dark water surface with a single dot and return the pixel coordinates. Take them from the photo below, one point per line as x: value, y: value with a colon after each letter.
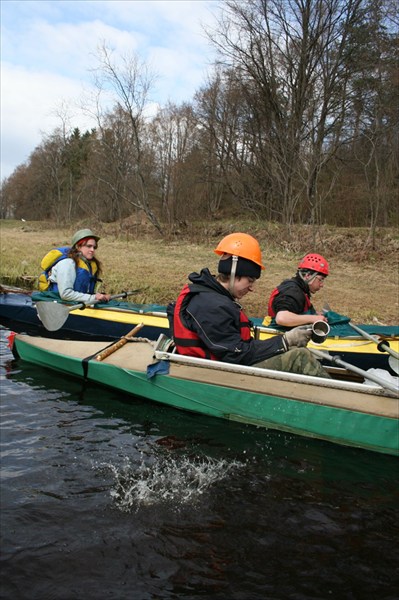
x: 105, y: 496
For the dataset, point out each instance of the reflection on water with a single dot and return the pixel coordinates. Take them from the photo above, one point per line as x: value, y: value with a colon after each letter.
x: 109, y: 496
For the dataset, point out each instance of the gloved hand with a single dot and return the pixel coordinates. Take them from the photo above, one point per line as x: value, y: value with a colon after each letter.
x: 298, y: 337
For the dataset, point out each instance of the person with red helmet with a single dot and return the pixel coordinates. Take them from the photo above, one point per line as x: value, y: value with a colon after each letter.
x: 290, y: 303
x: 208, y: 321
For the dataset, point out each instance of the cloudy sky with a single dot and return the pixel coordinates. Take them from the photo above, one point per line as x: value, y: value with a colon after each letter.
x: 48, y: 51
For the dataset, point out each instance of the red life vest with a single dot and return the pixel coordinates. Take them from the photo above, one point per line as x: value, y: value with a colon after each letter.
x: 275, y: 292
x: 188, y: 342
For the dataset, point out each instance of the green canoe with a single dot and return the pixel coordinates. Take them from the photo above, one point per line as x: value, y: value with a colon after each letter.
x: 345, y: 410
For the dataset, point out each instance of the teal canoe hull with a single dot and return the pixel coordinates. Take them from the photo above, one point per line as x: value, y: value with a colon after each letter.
x: 346, y: 416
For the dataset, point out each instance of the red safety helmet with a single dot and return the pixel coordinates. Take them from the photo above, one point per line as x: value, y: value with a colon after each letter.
x: 242, y: 245
x: 314, y: 262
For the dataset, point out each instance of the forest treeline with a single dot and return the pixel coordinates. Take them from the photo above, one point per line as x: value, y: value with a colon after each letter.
x: 297, y: 123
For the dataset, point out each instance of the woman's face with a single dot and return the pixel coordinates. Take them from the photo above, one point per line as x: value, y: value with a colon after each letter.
x: 88, y: 248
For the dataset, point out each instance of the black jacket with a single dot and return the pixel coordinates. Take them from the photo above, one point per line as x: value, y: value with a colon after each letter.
x: 214, y: 316
x: 293, y: 295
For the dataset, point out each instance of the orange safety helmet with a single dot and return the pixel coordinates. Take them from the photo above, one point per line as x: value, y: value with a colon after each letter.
x: 314, y: 262
x: 242, y: 245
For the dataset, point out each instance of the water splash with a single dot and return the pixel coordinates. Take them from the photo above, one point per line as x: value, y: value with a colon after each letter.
x: 180, y: 480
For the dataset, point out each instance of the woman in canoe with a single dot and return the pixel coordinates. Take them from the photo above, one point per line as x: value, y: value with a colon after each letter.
x: 73, y: 271
x: 290, y: 303
x: 208, y: 321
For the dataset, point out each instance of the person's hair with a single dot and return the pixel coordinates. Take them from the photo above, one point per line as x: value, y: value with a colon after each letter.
x: 223, y: 277
x: 75, y: 254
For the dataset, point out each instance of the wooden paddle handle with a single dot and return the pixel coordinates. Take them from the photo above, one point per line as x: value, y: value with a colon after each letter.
x: 119, y: 343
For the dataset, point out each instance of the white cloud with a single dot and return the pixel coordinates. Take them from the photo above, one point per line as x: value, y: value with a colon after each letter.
x: 30, y: 101
x: 49, y: 48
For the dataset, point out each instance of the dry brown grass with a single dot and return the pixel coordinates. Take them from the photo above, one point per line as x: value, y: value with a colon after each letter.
x: 363, y: 284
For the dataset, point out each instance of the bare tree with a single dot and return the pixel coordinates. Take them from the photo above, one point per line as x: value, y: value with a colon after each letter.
x: 376, y: 113
x: 292, y: 60
x: 173, y: 133
x: 127, y: 84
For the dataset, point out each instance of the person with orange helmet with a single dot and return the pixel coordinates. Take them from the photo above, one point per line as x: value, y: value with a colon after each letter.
x: 208, y: 321
x: 290, y: 303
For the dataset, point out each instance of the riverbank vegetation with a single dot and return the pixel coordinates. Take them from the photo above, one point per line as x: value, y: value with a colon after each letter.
x: 297, y: 123
x: 364, y: 283
x: 293, y: 138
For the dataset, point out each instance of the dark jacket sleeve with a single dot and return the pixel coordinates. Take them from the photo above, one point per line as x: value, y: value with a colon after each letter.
x: 218, y: 325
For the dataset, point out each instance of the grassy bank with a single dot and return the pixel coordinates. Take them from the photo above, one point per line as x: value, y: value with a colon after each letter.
x: 363, y: 284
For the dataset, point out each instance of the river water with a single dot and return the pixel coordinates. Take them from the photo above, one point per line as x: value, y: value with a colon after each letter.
x: 105, y: 496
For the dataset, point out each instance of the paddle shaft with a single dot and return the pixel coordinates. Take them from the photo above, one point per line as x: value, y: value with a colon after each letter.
x: 87, y: 304
x: 384, y: 347
x: 349, y: 367
x: 119, y: 343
